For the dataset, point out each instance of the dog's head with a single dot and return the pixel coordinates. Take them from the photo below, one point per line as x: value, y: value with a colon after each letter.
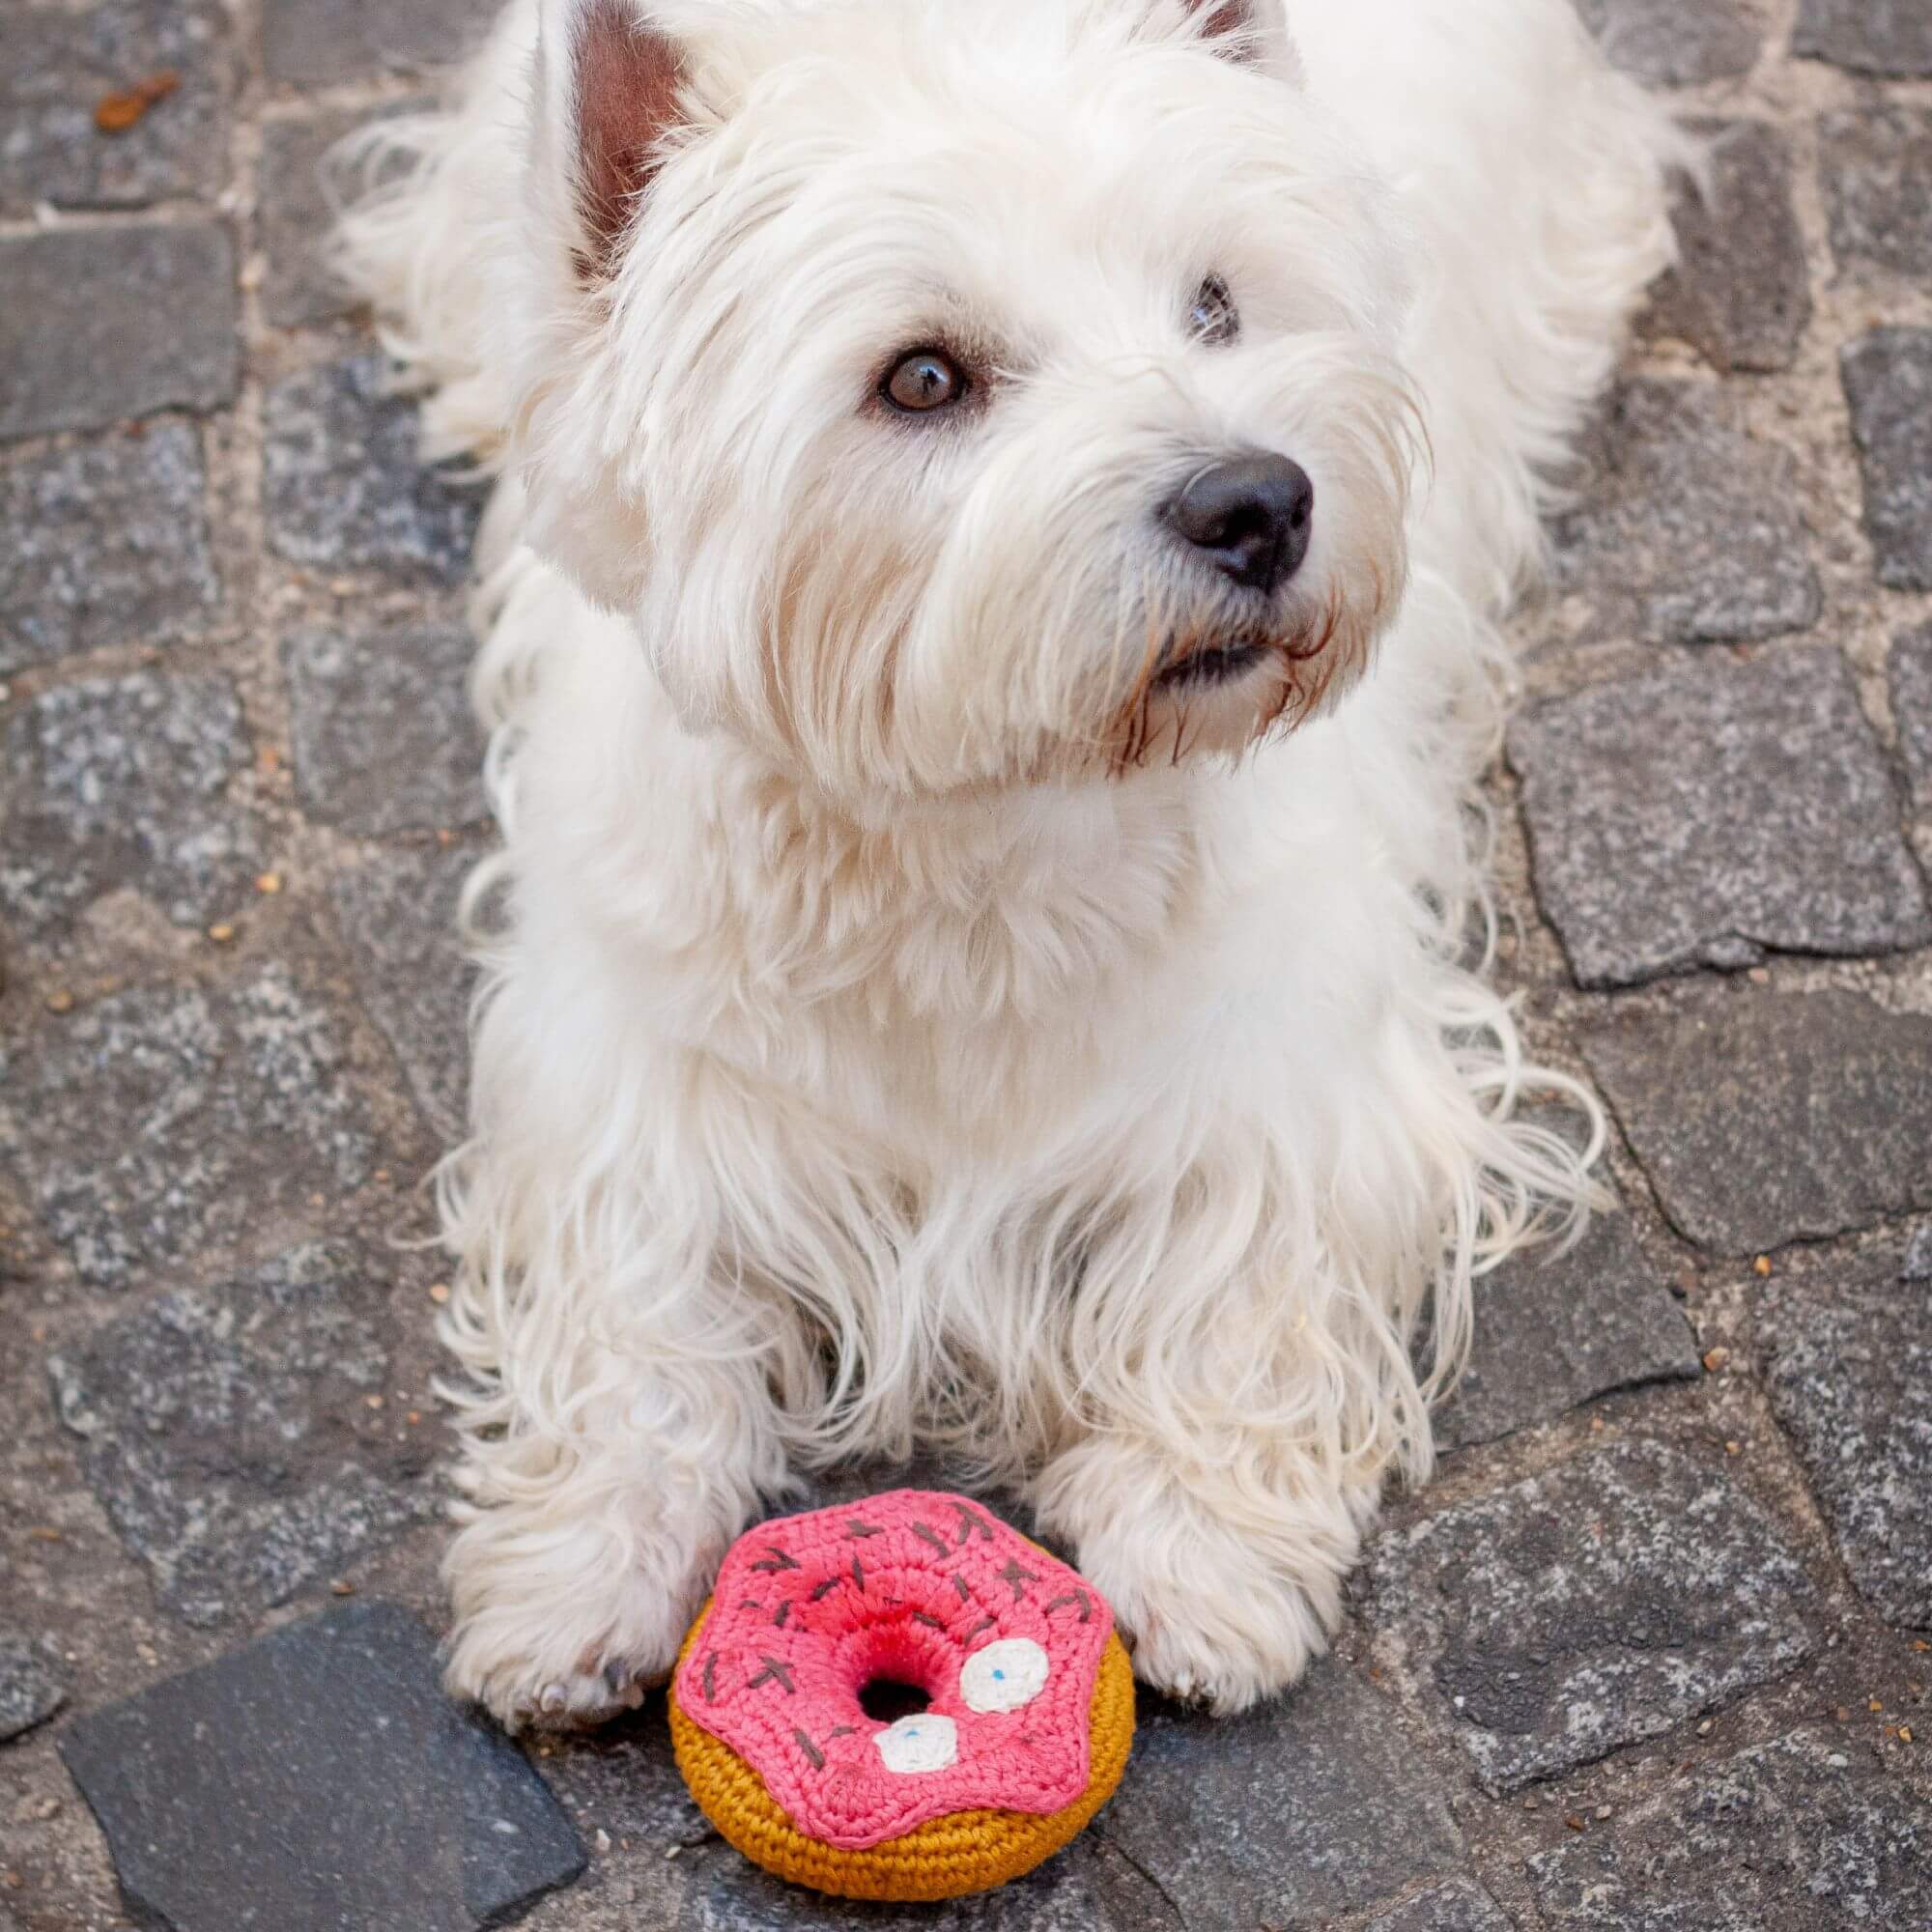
x: 963, y: 395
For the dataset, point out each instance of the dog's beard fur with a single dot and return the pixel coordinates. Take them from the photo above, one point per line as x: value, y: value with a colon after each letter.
x: 937, y: 1006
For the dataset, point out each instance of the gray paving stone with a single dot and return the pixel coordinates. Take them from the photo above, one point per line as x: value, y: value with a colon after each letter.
x: 1918, y: 1263
x: 1887, y: 378
x: 60, y: 64
x: 1742, y: 292
x: 397, y: 911
x: 316, y: 43
x: 226, y: 1433
x: 319, y: 1779
x: 1764, y: 1118
x: 1892, y: 36
x: 297, y: 216
x: 1848, y: 1367
x: 1911, y: 675
x: 1600, y: 1603
x: 1707, y: 812
x: 1805, y: 1834
x: 1687, y: 531
x: 101, y: 324
x: 1668, y: 44
x: 107, y: 544
x: 383, y: 736
x: 1555, y: 1330
x: 1459, y: 1906
x: 1290, y: 1814
x: 230, y: 1107
x: 31, y: 1690
x: 344, y: 484
x: 1877, y: 166
x: 121, y: 785
x: 1075, y: 1892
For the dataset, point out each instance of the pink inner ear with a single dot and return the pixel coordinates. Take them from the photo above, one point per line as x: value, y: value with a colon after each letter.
x: 1225, y: 17
x: 627, y: 81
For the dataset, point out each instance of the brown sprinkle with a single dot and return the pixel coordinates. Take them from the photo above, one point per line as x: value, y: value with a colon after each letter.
x: 1716, y: 1360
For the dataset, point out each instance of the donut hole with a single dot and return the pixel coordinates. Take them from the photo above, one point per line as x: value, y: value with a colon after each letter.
x: 888, y: 1699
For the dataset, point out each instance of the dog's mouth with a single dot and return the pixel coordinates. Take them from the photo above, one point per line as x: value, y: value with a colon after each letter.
x: 1211, y: 664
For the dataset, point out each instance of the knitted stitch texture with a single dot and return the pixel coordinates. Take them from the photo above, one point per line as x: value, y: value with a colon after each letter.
x: 1025, y: 1736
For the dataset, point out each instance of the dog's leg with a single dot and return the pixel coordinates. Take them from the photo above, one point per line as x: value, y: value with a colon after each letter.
x: 590, y: 1541
x: 1225, y: 1569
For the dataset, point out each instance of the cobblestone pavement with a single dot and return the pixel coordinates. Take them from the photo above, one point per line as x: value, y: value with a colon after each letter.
x: 1653, y: 1649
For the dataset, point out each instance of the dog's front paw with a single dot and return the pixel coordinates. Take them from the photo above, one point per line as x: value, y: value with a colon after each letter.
x: 542, y: 1641
x: 1219, y: 1610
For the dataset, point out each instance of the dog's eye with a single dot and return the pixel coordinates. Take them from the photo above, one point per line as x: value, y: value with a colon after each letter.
x: 924, y: 381
x: 1214, y: 319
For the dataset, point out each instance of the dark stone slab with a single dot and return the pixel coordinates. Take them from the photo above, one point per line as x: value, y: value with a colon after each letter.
x: 230, y: 1106
x: 1707, y: 812
x: 31, y: 1690
x: 59, y: 64
x: 1877, y: 165
x: 397, y: 910
x: 1848, y: 1366
x: 107, y: 544
x: 1460, y: 1906
x: 344, y: 484
x: 227, y: 1434
x: 122, y: 783
x: 1555, y: 1330
x: 1911, y: 673
x: 1805, y: 1834
x: 1740, y: 292
x: 101, y: 324
x: 1307, y: 1807
x: 1763, y: 1117
x: 1670, y: 43
x: 1686, y: 529
x: 297, y: 216
x: 316, y: 43
x: 319, y: 1779
x: 383, y: 737
x: 1600, y: 1603
x: 1887, y: 378
x: 1892, y: 36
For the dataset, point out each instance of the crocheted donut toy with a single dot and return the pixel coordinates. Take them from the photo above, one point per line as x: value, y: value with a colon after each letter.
x: 1027, y: 1695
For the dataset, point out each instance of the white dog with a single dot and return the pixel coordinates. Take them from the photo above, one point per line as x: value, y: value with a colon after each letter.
x: 991, y: 639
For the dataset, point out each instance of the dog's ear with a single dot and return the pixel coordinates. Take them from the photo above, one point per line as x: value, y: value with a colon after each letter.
x: 1254, y: 32
x: 610, y: 80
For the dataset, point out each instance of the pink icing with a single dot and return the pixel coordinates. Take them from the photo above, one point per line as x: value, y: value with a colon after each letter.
x: 811, y: 1608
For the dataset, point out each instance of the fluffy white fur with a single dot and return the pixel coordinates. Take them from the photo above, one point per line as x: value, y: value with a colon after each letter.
x: 913, y: 1022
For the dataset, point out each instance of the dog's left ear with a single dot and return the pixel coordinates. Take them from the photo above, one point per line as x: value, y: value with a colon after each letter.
x: 610, y: 78
x: 1254, y: 32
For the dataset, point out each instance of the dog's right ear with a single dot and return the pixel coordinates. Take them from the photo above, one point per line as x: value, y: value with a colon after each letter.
x: 610, y: 80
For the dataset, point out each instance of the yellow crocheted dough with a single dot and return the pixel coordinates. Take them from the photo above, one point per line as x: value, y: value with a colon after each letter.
x: 948, y: 1858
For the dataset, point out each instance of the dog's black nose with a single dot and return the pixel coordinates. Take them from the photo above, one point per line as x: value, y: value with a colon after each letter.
x: 1251, y: 518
